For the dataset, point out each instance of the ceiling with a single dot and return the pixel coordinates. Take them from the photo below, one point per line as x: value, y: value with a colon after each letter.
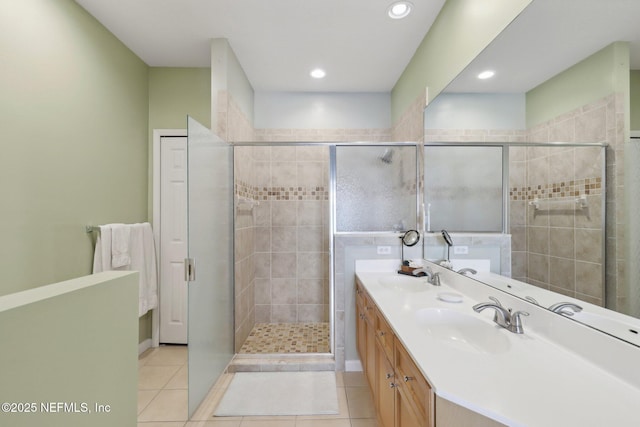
x: 277, y: 42
x: 549, y: 37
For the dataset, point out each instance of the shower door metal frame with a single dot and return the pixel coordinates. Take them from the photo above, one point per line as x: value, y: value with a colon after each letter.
x: 332, y: 207
x: 419, y: 224
x: 557, y: 144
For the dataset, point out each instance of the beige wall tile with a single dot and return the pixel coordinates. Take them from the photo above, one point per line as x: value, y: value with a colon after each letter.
x: 284, y: 239
x: 538, y: 240
x: 589, y: 279
x: 561, y: 242
x: 310, y: 291
x: 562, y: 273
x: 283, y: 265
x: 284, y: 291
x: 589, y: 245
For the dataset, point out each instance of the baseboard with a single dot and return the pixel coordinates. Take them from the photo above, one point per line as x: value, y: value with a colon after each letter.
x: 144, y: 345
x: 352, y: 366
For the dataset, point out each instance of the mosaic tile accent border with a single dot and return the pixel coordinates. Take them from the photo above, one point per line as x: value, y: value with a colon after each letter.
x: 266, y: 338
x: 587, y: 186
x: 281, y: 193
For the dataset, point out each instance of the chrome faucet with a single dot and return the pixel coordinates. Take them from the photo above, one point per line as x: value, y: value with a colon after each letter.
x: 433, y: 278
x: 561, y: 308
x: 503, y: 317
x: 467, y: 270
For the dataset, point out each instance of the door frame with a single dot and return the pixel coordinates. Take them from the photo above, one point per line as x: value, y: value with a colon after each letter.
x: 158, y: 134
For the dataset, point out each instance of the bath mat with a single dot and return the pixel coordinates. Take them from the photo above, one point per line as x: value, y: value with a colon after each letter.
x: 279, y: 393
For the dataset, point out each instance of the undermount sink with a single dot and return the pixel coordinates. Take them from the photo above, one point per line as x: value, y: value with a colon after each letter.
x: 405, y: 283
x: 463, y: 331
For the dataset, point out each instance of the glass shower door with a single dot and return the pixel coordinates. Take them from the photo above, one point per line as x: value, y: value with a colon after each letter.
x: 210, y: 228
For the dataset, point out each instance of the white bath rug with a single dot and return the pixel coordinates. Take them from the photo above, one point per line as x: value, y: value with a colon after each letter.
x: 279, y: 393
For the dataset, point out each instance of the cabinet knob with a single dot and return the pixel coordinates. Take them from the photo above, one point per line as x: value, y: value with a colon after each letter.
x: 382, y: 333
x: 392, y: 385
x: 389, y: 376
x: 407, y: 378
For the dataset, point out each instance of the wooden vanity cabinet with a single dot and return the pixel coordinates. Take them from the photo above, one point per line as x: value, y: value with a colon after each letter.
x: 401, y: 394
x: 365, y: 336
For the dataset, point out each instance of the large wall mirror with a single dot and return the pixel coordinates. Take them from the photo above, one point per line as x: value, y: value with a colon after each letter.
x: 562, y: 100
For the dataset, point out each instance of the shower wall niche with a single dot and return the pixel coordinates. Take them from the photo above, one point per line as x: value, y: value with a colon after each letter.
x: 282, y: 235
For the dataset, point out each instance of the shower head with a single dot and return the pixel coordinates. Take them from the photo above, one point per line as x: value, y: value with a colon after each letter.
x: 387, y: 156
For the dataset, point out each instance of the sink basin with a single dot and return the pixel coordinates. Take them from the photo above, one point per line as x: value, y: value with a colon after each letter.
x: 405, y: 283
x: 463, y: 331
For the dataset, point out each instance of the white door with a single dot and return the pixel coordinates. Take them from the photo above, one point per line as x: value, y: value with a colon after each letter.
x: 173, y: 240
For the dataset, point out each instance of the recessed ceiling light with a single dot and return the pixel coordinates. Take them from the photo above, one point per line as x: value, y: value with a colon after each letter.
x: 486, y: 74
x: 318, y: 73
x: 399, y: 9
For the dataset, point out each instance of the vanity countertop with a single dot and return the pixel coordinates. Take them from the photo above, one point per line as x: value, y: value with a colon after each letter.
x: 518, y: 380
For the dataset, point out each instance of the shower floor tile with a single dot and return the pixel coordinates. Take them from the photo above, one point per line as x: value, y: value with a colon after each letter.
x: 287, y: 338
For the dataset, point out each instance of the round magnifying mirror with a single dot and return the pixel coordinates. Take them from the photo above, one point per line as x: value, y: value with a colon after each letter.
x: 410, y: 238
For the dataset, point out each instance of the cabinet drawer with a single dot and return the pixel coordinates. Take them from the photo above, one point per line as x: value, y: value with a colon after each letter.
x: 413, y: 384
x: 384, y: 334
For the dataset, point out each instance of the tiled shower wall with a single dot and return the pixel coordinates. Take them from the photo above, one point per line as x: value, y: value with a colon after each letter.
x: 560, y: 248
x: 282, y: 253
x: 291, y: 233
x: 410, y: 126
x: 244, y: 249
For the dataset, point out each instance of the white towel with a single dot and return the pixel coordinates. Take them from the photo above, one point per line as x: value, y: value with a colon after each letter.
x: 142, y: 252
x: 143, y: 259
x: 120, y: 245
x: 102, y: 256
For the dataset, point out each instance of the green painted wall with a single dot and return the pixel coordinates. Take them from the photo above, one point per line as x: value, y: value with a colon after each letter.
x: 48, y: 355
x: 635, y: 99
x: 73, y: 121
x: 460, y: 32
x: 175, y: 93
x: 601, y: 74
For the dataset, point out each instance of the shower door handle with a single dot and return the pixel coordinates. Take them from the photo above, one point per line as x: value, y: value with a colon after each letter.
x: 189, y: 270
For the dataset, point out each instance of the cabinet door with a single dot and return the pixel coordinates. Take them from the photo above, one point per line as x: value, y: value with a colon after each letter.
x: 370, y: 340
x: 413, y: 391
x: 405, y: 414
x: 384, y: 394
x: 361, y: 340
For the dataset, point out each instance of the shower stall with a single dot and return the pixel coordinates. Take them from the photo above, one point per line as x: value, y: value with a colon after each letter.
x: 282, y: 263
x: 291, y: 199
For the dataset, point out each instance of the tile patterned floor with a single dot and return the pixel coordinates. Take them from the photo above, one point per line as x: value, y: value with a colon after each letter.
x: 287, y: 338
x: 162, y: 398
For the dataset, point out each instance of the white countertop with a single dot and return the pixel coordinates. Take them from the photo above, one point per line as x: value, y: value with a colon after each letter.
x: 533, y: 382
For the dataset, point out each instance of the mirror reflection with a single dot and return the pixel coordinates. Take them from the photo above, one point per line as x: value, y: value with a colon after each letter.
x: 565, y: 83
